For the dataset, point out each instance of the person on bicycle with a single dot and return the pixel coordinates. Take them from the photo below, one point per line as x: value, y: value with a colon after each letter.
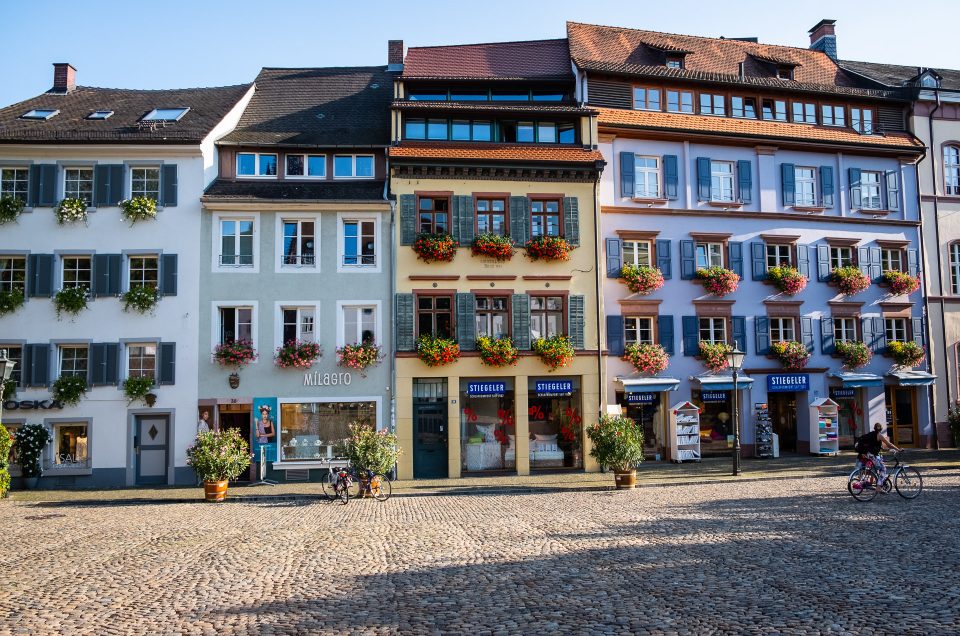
x: 869, y: 447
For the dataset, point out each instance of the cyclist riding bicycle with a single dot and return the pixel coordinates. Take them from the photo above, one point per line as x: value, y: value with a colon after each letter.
x: 868, y: 448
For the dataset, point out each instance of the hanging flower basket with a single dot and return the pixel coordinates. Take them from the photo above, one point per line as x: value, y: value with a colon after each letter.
x: 141, y: 299
x: 493, y: 246
x: 792, y: 355
x: 297, y: 354
x: 786, y: 279
x: 69, y: 389
x: 854, y: 354
x: 641, y: 279
x: 435, y: 247
x: 497, y: 352
x: 850, y: 280
x: 138, y: 209
x: 906, y: 354
x: 714, y: 355
x: 437, y: 352
x: 70, y: 300
x: 900, y: 283
x: 555, y: 352
x: 549, y: 248
x: 10, y: 208
x: 136, y: 388
x: 71, y: 210
x: 718, y: 281
x: 10, y: 301
x: 359, y: 356
x: 236, y: 353
x: 646, y: 357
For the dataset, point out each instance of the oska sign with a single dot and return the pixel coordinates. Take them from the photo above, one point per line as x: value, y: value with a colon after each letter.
x: 26, y: 405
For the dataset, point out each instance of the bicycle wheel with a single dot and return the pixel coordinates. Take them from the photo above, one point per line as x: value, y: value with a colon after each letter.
x: 343, y: 491
x: 329, y: 485
x: 380, y: 487
x: 357, y: 486
x: 863, y: 484
x: 908, y: 482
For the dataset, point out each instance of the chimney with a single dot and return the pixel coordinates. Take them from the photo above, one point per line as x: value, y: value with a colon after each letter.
x: 64, y: 78
x: 395, y: 56
x: 824, y: 38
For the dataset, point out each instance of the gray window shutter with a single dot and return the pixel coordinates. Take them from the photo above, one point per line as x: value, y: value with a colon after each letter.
x: 739, y: 332
x: 788, y: 184
x: 863, y: 261
x: 404, y: 322
x: 826, y: 186
x: 758, y: 260
x: 466, y: 222
x: 168, y: 274
x: 803, y: 260
x: 466, y: 321
x: 913, y: 263
x: 688, y: 260
x: 615, y: 336
x: 168, y: 363
x: 823, y: 263
x: 43, y: 185
x: 736, y: 258
x: 703, y: 178
x: 408, y: 219
x: 521, y: 321
x: 866, y: 333
x: 571, y: 220
x: 806, y: 332
x: 664, y: 264
x: 96, y: 370
x: 893, y: 190
x: 745, y: 180
x: 520, y: 220
x: 856, y: 200
x: 665, y: 329
x: 879, y: 335
x: 33, y: 186
x: 39, y: 360
x: 168, y: 186
x: 614, y: 257
x: 876, y: 265
x: 101, y: 185
x: 101, y: 274
x: 627, y: 174
x: 762, y: 328
x: 455, y: 218
x: 40, y: 281
x: 112, y: 371
x: 919, y: 335
x: 827, y: 342
x: 671, y: 176
x: 691, y: 335
x: 117, y: 190
x: 576, y: 307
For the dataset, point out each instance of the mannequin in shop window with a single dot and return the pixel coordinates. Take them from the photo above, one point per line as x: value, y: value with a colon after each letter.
x: 722, y: 427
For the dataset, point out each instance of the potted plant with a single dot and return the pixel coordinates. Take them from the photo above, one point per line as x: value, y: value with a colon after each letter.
x: 297, y: 354
x: 70, y: 300
x: 714, y: 355
x: 849, y: 280
x: 494, y: 246
x: 718, y: 281
x: 641, y: 279
x: 906, y: 354
x: 555, y: 351
x: 69, y: 389
x: 137, y: 388
x: 9, y: 389
x: 10, y: 208
x: 371, y: 451
x: 435, y: 247
x: 142, y: 298
x: 853, y: 353
x: 217, y: 457
x: 646, y: 357
x: 617, y: 443
x: 71, y: 210
x: 786, y: 279
x: 900, y: 283
x: 437, y: 352
x: 6, y: 442
x: 359, y: 356
x: 10, y: 300
x: 30, y: 440
x: 497, y: 352
x: 138, y: 209
x: 548, y: 248
x: 234, y: 354
x: 792, y: 355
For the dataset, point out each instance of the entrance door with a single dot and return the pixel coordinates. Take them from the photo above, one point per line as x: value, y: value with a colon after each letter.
x: 152, y: 448
x: 430, y: 441
x: 241, y: 422
x: 902, y: 415
x: 783, y: 417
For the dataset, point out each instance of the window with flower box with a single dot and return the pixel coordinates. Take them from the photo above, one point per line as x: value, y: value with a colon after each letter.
x: 546, y: 316
x: 13, y: 273
x: 433, y: 215
x: 359, y: 324
x: 15, y: 182
x: 492, y: 316
x: 142, y: 360
x: 491, y: 215
x: 236, y: 323
x: 78, y: 184
x: 143, y: 271
x: 782, y: 329
x: 15, y: 354
x: 840, y: 256
x: 73, y: 360
x: 638, y: 253
x: 545, y: 217
x: 76, y: 271
x: 638, y: 329
x: 709, y: 255
x: 779, y: 254
x: 713, y: 330
x: 298, y: 324
x: 891, y: 259
x: 145, y: 182
x: 844, y: 329
x: 435, y: 315
x: 895, y: 329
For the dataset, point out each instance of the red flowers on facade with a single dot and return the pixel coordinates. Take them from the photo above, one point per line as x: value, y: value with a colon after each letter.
x: 497, y: 352
x: 549, y: 248
x: 714, y: 355
x: 555, y: 352
x: 793, y: 355
x: 296, y: 354
x: 850, y: 280
x: 646, y: 357
x: 718, y: 281
x: 435, y: 247
x: 437, y: 352
x: 901, y: 283
x: 235, y: 353
x: 494, y: 246
x: 359, y: 356
x: 641, y: 279
x: 787, y: 279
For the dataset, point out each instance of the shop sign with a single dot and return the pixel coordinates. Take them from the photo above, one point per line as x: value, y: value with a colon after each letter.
x: 554, y: 388
x: 714, y: 396
x: 842, y: 393
x: 25, y: 405
x: 787, y: 382
x: 641, y: 398
x: 486, y: 389
x: 316, y: 378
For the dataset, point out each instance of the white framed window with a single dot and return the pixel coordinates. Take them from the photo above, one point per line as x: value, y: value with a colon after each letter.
x: 492, y: 316
x: 73, y: 360
x: 70, y: 446
x: 896, y: 329
x: 235, y: 242
x: 844, y: 329
x: 13, y: 273
x: 353, y: 166
x: 78, y: 184
x: 870, y: 198
x: 713, y: 330
x: 647, y: 177
x: 955, y: 268
x: 256, y: 164
x: 782, y: 330
x: 142, y: 360
x: 805, y: 186
x: 709, y: 255
x: 359, y: 243
x: 235, y: 322
x: 638, y: 329
x: 833, y: 115
x: 778, y: 255
x: 76, y: 271
x: 15, y: 182
x: 722, y: 181
x: 15, y: 354
x: 299, y: 241
x: 145, y: 182
x: 359, y: 322
x: 637, y: 253
x: 840, y: 256
x: 298, y: 324
x: 546, y: 316
x: 951, y: 169
x: 143, y: 271
x: 891, y: 259
x: 306, y: 166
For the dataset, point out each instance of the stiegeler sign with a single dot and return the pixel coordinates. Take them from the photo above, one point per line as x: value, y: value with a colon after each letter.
x: 25, y: 405
x: 787, y: 382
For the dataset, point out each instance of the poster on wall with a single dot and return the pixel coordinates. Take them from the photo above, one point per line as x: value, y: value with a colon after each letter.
x: 264, y: 430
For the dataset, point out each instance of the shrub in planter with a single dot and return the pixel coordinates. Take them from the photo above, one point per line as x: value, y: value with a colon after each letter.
x: 71, y: 210
x: 142, y: 298
x: 9, y: 389
x: 236, y: 353
x: 219, y: 456
x: 555, y: 352
x: 900, y: 283
x: 359, y: 356
x: 138, y: 209
x: 549, y: 248
x: 372, y: 450
x: 786, y: 279
x: 69, y: 389
x: 718, y: 281
x: 641, y: 279
x: 435, y: 247
x: 854, y: 354
x: 437, y: 352
x: 296, y: 354
x: 6, y: 442
x: 617, y: 442
x: 10, y: 301
x: 137, y: 387
x: 953, y: 420
x: 30, y: 440
x: 714, y: 355
x: 850, y: 280
x: 646, y: 357
x: 494, y: 246
x: 792, y: 355
x: 10, y: 208
x: 906, y: 354
x: 70, y: 300
x: 497, y: 352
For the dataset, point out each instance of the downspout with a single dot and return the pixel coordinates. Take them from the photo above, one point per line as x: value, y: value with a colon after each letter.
x: 393, y: 269
x: 602, y: 393
x: 936, y: 237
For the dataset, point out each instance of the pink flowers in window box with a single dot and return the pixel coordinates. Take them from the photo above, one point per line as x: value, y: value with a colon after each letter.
x: 236, y: 353
x: 906, y: 354
x: 900, y: 283
x: 850, y: 280
x: 718, y: 281
x: 854, y: 354
x: 792, y: 355
x: 787, y: 279
x: 359, y: 356
x: 641, y: 279
x: 714, y: 355
x: 296, y: 354
x: 646, y: 357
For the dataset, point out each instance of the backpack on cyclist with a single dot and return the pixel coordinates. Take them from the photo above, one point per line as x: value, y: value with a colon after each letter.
x: 867, y: 444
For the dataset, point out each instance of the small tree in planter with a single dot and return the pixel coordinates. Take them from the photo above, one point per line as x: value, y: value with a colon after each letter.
x: 6, y: 442
x: 641, y: 279
x: 718, y: 281
x: 71, y: 210
x: 69, y: 389
x: 792, y: 355
x: 786, y: 279
x: 359, y: 356
x: 497, y: 352
x: 10, y: 301
x: 493, y: 246
x: 437, y: 352
x: 137, y: 388
x: 646, y: 357
x: 555, y: 352
x: 9, y: 389
x: 435, y: 247
x: 70, y: 300
x: 217, y: 457
x: 30, y: 440
x: 10, y: 208
x: 372, y: 451
x: 549, y: 248
x: 297, y: 354
x: 138, y: 209
x: 617, y: 443
x: 714, y: 355
x: 141, y: 299
x: 900, y: 283
x: 906, y: 354
x: 850, y: 280
x: 854, y: 354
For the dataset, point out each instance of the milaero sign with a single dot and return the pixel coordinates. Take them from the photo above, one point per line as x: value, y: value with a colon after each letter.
x: 327, y: 379
x: 25, y: 405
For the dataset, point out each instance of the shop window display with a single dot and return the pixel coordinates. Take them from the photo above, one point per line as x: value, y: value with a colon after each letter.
x: 716, y: 421
x: 317, y: 430
x: 487, y: 425
x: 556, y: 424
x: 850, y: 415
x: 70, y: 446
x: 644, y: 409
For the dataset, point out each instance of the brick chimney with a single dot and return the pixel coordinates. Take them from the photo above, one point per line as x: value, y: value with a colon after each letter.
x: 64, y: 78
x: 823, y: 37
x: 395, y: 56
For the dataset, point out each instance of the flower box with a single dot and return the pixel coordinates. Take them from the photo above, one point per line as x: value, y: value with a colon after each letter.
x: 854, y: 354
x: 493, y: 246
x: 718, y: 281
x: 297, y: 354
x: 71, y: 210
x: 786, y: 279
x: 435, y: 247
x: 901, y: 284
x: 70, y: 300
x: 236, y: 353
x: 359, y: 356
x: 646, y: 357
x: 849, y: 280
x: 10, y: 208
x: 437, y: 352
x: 11, y: 300
x: 641, y: 279
x: 138, y: 209
x: 906, y: 354
x: 792, y: 355
x: 136, y: 388
x: 714, y: 355
x: 69, y: 389
x: 555, y: 352
x: 548, y: 248
x: 497, y: 352
x: 142, y: 298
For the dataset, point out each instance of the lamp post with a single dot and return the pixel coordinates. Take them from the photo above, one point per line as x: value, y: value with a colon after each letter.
x: 6, y: 370
x: 735, y: 361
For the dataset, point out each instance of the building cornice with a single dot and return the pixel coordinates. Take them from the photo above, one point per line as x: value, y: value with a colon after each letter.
x: 766, y: 216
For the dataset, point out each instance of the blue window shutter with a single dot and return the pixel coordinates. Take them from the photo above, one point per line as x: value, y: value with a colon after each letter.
x: 736, y: 258
x: 893, y: 190
x: 627, y: 174
x: 688, y: 260
x: 576, y: 307
x: 761, y: 326
x: 168, y: 363
x: 101, y: 274
x: 465, y: 219
x: 664, y: 263
x: 168, y: 274
x: 571, y: 220
x: 827, y: 341
x: 866, y: 333
x: 876, y: 266
x: 466, y: 321
x: 521, y: 321
x: 665, y: 333
x: 43, y: 185
x: 33, y: 189
x: 919, y: 335
x: 671, y: 176
x: 758, y: 260
x: 826, y: 186
x: 168, y: 185
x: 913, y: 263
x: 739, y: 332
x: 745, y: 180
x: 101, y: 185
x: 112, y: 370
x: 703, y: 178
x: 788, y: 183
x: 691, y: 335
x: 803, y: 260
x: 39, y: 369
x: 115, y: 264
x: 856, y: 200
x: 879, y: 335
x: 519, y: 220
x: 404, y: 322
x: 615, y: 337
x: 408, y: 219
x: 614, y: 248
x: 117, y: 190
x: 97, y: 369
x: 823, y: 262
x: 863, y: 261
x: 40, y: 281
x: 806, y: 332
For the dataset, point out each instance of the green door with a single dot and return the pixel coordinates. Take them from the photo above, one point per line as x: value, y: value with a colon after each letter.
x: 430, y: 441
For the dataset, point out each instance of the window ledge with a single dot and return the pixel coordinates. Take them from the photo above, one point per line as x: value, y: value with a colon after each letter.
x: 650, y: 200
x: 728, y: 205
x: 809, y: 208
x: 873, y: 212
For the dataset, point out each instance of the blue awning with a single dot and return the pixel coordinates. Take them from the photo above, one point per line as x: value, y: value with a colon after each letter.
x: 649, y: 385
x: 912, y: 378
x: 722, y: 382
x: 858, y: 380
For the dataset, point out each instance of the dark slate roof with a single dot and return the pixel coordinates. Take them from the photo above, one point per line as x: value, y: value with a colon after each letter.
x: 207, y: 106
x: 898, y: 75
x: 347, y: 106
x: 569, y: 108
x: 529, y: 60
x: 228, y: 189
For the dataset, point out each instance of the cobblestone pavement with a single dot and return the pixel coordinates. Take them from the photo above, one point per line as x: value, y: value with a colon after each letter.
x: 789, y: 556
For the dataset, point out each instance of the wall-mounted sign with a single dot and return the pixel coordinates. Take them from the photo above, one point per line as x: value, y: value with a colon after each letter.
x: 842, y: 394
x: 317, y: 378
x: 25, y: 405
x: 786, y: 382
x: 714, y: 396
x: 554, y: 388
x: 641, y: 398
x: 486, y: 389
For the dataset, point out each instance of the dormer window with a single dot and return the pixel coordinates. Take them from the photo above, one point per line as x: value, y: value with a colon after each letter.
x: 165, y: 114
x: 674, y: 61
x: 39, y: 113
x: 784, y: 71
x: 100, y: 114
x: 928, y: 80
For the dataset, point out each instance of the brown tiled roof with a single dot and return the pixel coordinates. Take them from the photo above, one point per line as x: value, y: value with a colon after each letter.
x: 705, y: 124
x: 228, y: 189
x: 514, y: 107
x: 534, y: 59
x: 635, y: 52
x: 494, y: 152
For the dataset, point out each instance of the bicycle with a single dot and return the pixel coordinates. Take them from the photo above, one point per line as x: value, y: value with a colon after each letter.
x: 376, y: 485
x: 348, y: 481
x: 862, y: 483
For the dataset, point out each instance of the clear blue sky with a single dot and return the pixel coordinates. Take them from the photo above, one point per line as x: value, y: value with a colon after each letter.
x: 176, y: 43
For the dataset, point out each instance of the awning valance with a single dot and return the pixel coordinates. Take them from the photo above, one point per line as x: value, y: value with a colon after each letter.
x: 912, y: 378
x: 722, y: 382
x: 858, y: 380
x: 648, y: 385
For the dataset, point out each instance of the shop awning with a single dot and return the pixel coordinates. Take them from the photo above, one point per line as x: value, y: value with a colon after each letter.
x: 912, y: 378
x: 858, y: 380
x: 722, y: 382
x: 649, y: 385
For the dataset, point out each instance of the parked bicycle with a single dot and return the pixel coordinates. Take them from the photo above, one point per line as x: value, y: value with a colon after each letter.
x: 863, y: 481
x: 344, y: 482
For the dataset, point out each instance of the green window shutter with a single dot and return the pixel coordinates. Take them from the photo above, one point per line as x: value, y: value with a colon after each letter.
x: 521, y: 321
x: 520, y: 220
x: 803, y: 260
x: 40, y: 273
x: 806, y: 332
x: 703, y: 178
x: 168, y: 274
x: 615, y: 335
x: 408, y: 219
x: 614, y: 250
x: 575, y: 319
x: 856, y: 196
x: 571, y: 220
x: 403, y: 322
x: 826, y: 186
x: 691, y: 335
x: 664, y: 264
x: 168, y: 363
x: 466, y: 321
x: 627, y: 174
x: 761, y: 330
x: 788, y: 184
x: 823, y: 262
x: 168, y: 186
x: 893, y: 190
x: 671, y: 176
x: 665, y: 335
x: 758, y: 260
x: 739, y: 332
x: 745, y: 180
x: 466, y: 219
x: 688, y: 260
x: 736, y: 258
x: 827, y: 340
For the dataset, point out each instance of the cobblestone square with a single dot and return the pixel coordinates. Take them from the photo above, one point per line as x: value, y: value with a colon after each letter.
x: 790, y: 556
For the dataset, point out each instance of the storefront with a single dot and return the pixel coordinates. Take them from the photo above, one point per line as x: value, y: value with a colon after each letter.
x: 714, y: 395
x: 787, y: 398
x: 646, y: 402
x: 901, y: 404
x: 555, y: 418
x: 850, y: 406
x: 488, y: 432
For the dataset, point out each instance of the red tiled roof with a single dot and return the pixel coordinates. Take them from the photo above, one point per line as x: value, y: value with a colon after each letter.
x: 494, y: 152
x: 534, y: 59
x: 675, y: 122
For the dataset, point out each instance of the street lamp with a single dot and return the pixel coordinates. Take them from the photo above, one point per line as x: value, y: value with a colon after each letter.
x: 6, y: 370
x: 735, y: 361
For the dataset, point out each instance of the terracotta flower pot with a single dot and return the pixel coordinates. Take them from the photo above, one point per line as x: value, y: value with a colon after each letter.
x: 625, y: 479
x: 215, y: 490
x: 234, y: 380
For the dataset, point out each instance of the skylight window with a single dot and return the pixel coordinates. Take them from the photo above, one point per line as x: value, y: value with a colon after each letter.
x: 165, y: 114
x: 100, y: 114
x: 39, y: 113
